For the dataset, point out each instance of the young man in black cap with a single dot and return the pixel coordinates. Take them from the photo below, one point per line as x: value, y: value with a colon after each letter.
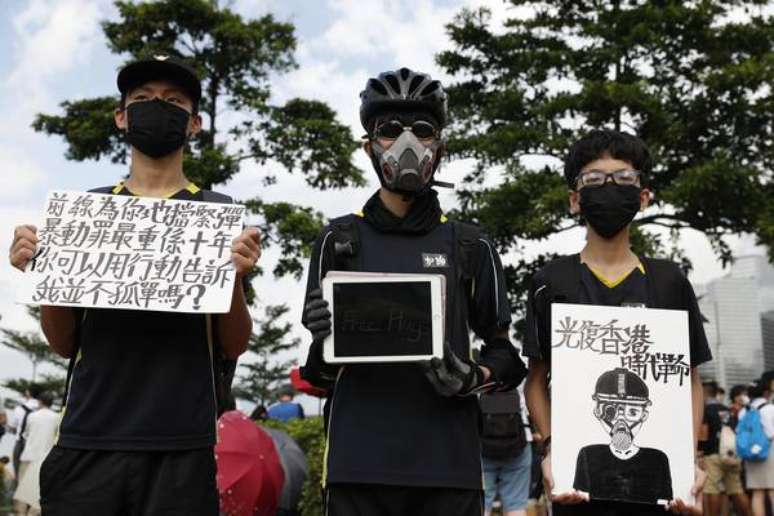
x: 606, y: 172
x: 404, y: 438
x: 138, y: 429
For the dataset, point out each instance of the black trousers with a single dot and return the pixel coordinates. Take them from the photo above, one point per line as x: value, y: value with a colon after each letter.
x: 600, y: 508
x: 140, y: 483
x: 384, y: 500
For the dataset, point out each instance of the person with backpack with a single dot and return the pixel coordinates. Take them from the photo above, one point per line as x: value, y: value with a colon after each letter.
x: 285, y: 409
x: 718, y: 453
x: 506, y: 452
x: 138, y: 430
x: 607, y: 174
x: 39, y: 436
x: 404, y: 438
x: 754, y: 433
x: 19, y: 423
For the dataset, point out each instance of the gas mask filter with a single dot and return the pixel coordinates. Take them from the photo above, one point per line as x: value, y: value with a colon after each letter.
x: 621, y: 420
x: 407, y: 166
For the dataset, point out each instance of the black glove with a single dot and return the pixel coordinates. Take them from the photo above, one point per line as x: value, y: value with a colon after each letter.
x: 453, y: 376
x: 317, y: 317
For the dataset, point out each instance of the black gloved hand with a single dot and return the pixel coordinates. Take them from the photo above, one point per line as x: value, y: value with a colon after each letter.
x: 317, y: 317
x: 453, y: 376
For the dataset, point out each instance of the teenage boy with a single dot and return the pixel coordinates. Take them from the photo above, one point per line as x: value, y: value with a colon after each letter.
x: 606, y: 172
x: 138, y: 430
x: 403, y: 438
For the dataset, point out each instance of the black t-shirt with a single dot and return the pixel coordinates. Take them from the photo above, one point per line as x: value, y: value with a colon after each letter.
x: 628, y: 291
x: 715, y: 416
x: 142, y: 380
x: 386, y: 424
x: 644, y: 478
x: 637, y: 289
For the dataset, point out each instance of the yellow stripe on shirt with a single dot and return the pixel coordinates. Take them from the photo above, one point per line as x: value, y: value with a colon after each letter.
x: 614, y: 283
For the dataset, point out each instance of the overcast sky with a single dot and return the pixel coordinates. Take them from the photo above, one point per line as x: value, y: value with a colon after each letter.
x: 54, y: 50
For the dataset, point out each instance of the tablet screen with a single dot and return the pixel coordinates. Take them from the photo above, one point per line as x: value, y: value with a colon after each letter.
x: 382, y: 319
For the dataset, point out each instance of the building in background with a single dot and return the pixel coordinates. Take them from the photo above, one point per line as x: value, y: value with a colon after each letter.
x: 767, y: 327
x: 739, y: 309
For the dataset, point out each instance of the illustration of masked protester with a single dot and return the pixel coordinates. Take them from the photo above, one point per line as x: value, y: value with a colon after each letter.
x: 621, y: 470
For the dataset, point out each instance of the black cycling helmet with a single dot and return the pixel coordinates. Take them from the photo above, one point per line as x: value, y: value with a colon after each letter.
x: 402, y: 90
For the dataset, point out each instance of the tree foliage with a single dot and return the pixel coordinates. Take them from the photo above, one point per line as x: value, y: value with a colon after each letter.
x: 262, y: 372
x: 33, y: 346
x: 235, y: 57
x: 693, y: 79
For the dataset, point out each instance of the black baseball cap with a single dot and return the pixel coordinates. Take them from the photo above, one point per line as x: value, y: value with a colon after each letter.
x: 160, y: 67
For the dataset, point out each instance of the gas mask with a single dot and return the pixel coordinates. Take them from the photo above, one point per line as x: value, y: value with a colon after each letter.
x: 621, y: 419
x: 407, y: 166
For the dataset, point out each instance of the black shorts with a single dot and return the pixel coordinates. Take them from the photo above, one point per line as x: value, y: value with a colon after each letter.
x: 140, y: 483
x: 384, y: 500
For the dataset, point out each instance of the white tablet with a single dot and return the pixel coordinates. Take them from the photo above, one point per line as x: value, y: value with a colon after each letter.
x: 384, y: 317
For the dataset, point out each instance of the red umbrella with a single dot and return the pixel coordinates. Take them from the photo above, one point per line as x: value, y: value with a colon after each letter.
x: 250, y: 474
x: 302, y: 385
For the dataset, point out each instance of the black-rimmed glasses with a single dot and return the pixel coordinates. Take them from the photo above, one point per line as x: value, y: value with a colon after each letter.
x: 597, y: 178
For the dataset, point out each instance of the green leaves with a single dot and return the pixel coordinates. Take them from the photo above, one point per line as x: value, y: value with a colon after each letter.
x: 235, y: 58
x: 304, y: 135
x: 293, y: 227
x: 262, y: 372
x: 88, y: 128
x: 688, y: 78
x: 32, y: 345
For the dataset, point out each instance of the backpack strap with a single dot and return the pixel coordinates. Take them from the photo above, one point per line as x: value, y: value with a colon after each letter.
x: 663, y: 282
x: 346, y: 242
x: 23, y: 425
x: 223, y: 369
x: 561, y: 279
x: 466, y: 238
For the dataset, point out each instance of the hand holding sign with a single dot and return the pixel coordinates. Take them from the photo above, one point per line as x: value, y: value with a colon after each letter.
x: 109, y: 251
x: 571, y: 497
x: 25, y: 242
x: 245, y: 251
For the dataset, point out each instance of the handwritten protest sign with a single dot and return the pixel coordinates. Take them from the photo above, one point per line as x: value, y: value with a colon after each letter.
x: 621, y: 403
x: 111, y: 251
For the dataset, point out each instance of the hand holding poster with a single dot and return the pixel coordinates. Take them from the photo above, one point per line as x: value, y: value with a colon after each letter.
x: 110, y: 251
x: 621, y: 413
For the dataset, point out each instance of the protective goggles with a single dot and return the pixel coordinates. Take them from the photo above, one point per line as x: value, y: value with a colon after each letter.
x: 392, y: 129
x: 629, y: 411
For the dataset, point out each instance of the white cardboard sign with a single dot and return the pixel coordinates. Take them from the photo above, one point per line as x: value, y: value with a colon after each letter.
x: 114, y: 251
x: 621, y: 418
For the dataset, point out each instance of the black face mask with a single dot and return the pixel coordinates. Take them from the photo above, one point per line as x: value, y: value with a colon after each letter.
x: 156, y: 127
x: 609, y: 208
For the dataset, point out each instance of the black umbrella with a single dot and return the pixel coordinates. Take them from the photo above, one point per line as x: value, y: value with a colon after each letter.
x: 294, y: 465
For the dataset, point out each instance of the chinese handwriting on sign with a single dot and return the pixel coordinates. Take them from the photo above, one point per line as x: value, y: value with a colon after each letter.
x: 631, y: 344
x: 130, y: 252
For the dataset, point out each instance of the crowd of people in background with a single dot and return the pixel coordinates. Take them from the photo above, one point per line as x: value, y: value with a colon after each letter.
x: 34, y: 423
x: 739, y: 466
x: 734, y: 486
